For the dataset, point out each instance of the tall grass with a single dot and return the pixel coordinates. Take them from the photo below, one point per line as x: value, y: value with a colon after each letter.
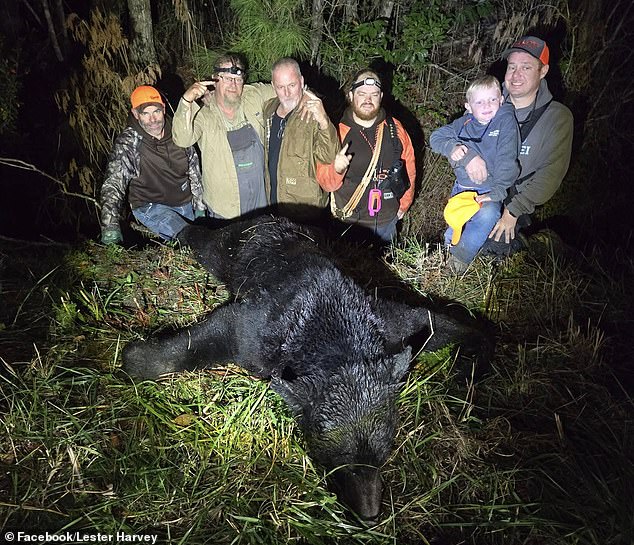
x: 536, y: 451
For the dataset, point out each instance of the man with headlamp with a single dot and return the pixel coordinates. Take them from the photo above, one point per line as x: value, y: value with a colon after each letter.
x: 372, y: 177
x: 229, y: 129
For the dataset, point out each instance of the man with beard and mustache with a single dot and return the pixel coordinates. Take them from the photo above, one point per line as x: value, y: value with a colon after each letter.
x: 229, y: 129
x: 372, y: 177
x: 163, y: 180
x: 294, y: 146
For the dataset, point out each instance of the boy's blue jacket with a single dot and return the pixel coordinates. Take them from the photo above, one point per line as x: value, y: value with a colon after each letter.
x: 498, y: 143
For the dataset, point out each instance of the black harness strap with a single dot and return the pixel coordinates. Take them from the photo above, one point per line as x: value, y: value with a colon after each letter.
x: 527, y: 125
x: 525, y: 128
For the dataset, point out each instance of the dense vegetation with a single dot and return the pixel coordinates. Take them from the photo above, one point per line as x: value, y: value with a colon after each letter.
x: 536, y: 450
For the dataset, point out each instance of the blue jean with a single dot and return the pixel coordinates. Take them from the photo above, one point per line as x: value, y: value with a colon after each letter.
x: 166, y: 221
x: 387, y: 232
x: 475, y: 232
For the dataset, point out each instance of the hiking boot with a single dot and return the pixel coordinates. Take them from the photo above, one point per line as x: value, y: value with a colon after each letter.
x: 455, y: 266
x: 501, y: 250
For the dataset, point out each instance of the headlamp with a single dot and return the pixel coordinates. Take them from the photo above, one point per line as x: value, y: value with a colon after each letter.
x: 233, y: 69
x: 366, y: 81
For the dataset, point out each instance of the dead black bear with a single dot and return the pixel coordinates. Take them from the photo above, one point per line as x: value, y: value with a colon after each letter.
x: 336, y: 355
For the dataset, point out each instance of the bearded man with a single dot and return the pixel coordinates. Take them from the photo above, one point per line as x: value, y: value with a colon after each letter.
x: 373, y: 175
x: 228, y: 126
x: 294, y: 146
x: 162, y: 181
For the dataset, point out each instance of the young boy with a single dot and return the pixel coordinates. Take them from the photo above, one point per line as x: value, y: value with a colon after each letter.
x: 489, y: 131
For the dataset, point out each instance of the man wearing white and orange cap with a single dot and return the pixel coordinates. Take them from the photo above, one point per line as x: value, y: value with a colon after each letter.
x: 546, y: 128
x: 162, y: 180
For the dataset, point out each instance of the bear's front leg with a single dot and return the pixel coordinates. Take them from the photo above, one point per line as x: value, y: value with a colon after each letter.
x: 203, y: 345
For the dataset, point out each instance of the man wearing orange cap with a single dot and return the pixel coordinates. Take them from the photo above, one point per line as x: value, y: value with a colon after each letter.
x: 162, y: 180
x: 546, y: 129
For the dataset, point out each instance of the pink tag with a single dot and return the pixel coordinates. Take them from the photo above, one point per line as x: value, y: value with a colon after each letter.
x: 374, y: 201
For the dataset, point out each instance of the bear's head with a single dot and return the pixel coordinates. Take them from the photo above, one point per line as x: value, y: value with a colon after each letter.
x: 349, y: 420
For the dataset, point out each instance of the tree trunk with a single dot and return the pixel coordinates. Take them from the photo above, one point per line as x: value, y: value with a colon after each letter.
x: 316, y: 29
x: 61, y: 22
x: 51, y: 30
x: 386, y: 10
x: 142, y: 45
x: 350, y: 11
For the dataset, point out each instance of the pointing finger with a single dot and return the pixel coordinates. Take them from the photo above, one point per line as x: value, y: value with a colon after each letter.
x: 310, y: 94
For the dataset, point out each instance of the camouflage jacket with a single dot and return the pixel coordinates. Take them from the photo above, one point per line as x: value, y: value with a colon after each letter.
x: 124, y: 165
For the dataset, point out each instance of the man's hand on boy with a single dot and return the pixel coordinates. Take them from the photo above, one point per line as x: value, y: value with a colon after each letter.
x: 477, y: 170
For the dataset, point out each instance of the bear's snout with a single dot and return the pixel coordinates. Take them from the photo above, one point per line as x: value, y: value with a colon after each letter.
x: 360, y: 488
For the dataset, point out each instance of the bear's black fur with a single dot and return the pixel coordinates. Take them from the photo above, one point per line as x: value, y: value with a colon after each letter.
x: 336, y: 355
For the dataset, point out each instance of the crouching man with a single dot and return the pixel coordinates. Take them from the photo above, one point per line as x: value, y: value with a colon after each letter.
x: 162, y: 180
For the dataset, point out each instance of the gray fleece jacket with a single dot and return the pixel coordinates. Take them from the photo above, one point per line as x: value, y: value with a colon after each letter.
x: 544, y: 155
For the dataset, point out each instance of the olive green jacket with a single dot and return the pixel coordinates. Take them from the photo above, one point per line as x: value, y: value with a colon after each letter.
x: 304, y: 145
x: 207, y: 128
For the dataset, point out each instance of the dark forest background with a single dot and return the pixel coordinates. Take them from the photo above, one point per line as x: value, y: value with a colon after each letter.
x: 67, y: 68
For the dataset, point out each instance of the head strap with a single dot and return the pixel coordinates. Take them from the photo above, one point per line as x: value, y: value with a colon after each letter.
x: 365, y: 81
x: 233, y: 69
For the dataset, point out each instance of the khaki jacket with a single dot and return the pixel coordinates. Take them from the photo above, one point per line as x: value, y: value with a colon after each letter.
x: 208, y: 130
x: 303, y: 146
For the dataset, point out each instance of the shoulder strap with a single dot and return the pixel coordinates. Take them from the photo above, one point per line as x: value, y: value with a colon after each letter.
x: 527, y: 126
x: 396, y: 141
x: 347, y: 210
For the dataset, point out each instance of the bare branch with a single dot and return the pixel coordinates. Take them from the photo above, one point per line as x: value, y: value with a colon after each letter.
x: 33, y: 12
x: 22, y: 165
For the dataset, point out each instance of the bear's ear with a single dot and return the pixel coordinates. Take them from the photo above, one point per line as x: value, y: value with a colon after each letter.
x: 400, y: 364
x: 402, y: 322
x: 295, y: 393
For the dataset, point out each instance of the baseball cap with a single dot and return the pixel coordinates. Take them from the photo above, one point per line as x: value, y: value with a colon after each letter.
x: 459, y: 210
x: 531, y: 45
x: 145, y: 95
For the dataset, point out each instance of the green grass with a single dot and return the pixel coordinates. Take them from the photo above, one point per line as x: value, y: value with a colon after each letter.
x: 538, y: 451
